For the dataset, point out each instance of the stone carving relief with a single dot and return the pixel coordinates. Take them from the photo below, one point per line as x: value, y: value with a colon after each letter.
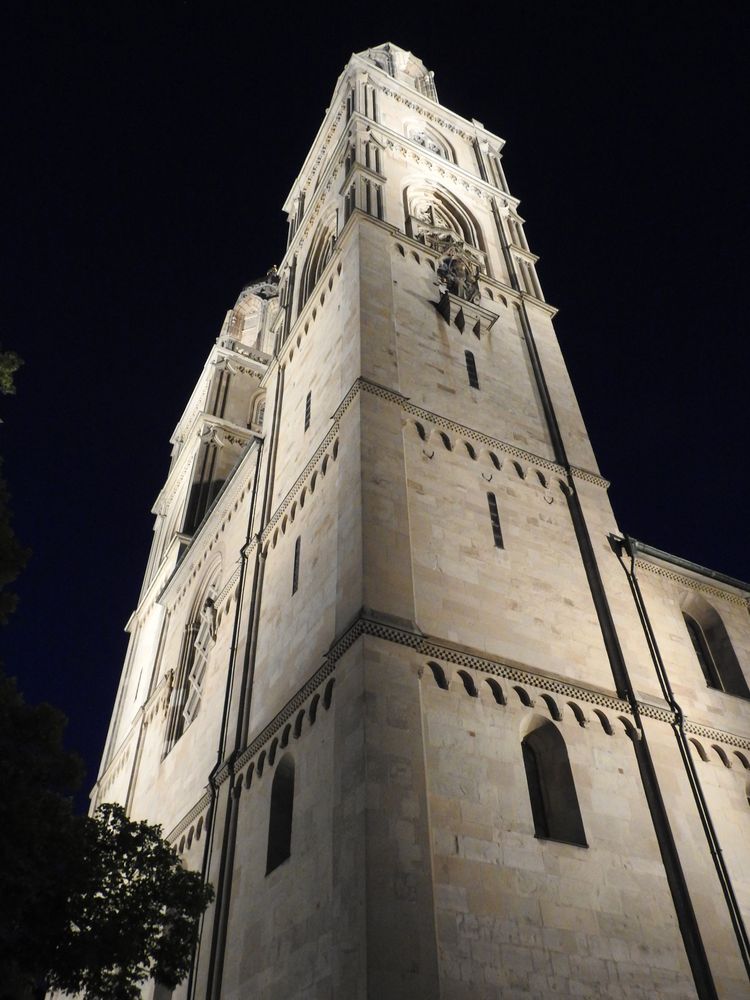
x: 423, y: 139
x: 266, y: 288
x: 459, y: 274
x: 460, y: 263
x: 208, y: 615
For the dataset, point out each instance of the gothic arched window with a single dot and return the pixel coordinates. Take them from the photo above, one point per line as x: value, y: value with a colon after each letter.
x: 258, y: 411
x: 554, y: 803
x: 431, y: 140
x: 189, y: 679
x: 713, y: 648
x: 443, y: 223
x: 280, y: 818
x: 319, y: 255
x: 435, y: 215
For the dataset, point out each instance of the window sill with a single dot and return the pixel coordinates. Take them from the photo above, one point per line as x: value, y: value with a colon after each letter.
x: 559, y: 840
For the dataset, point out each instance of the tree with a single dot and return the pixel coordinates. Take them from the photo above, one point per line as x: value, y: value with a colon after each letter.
x: 40, y: 838
x: 90, y: 905
x: 10, y: 362
x: 87, y: 904
x: 12, y: 554
x: 134, y: 914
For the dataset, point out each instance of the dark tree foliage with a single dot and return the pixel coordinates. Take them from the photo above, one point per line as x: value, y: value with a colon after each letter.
x: 9, y: 365
x: 41, y: 840
x: 13, y: 556
x: 134, y: 914
x: 87, y: 905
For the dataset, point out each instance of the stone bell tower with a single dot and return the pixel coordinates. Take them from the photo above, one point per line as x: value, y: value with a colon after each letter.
x: 397, y: 684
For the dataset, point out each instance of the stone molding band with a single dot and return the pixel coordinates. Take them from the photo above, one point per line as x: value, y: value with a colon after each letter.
x: 688, y: 581
x: 368, y: 624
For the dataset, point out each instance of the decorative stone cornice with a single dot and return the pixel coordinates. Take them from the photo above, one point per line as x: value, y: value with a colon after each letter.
x: 434, y: 117
x: 589, y: 477
x: 322, y: 143
x: 688, y: 581
x: 117, y: 762
x: 204, y: 425
x: 311, y: 466
x: 370, y: 624
x: 717, y: 735
x: 438, y: 650
x: 474, y: 435
x: 203, y: 803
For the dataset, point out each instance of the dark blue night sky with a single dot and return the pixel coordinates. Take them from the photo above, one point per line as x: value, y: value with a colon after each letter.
x: 148, y: 151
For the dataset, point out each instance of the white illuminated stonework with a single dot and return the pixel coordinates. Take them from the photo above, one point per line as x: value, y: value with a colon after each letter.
x: 396, y: 682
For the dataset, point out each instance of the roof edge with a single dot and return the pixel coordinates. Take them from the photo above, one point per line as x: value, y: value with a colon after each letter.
x: 649, y: 551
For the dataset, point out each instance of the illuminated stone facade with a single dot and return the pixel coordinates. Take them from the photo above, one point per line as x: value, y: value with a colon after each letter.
x: 396, y: 682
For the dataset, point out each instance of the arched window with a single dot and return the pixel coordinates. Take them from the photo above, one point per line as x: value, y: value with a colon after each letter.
x: 438, y: 218
x: 713, y: 648
x: 258, y: 411
x: 319, y: 255
x: 280, y: 819
x: 431, y: 140
x: 554, y: 803
x: 205, y: 636
x: 189, y: 677
x: 443, y: 223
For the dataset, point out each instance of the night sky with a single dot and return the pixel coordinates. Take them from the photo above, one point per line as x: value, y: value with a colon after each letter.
x: 148, y: 151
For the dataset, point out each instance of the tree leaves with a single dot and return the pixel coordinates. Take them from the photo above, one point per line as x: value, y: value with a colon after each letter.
x: 40, y: 838
x: 133, y: 916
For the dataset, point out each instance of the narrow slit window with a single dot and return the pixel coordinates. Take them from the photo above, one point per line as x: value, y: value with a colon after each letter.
x: 471, y: 369
x: 308, y: 407
x: 497, y: 533
x: 295, y: 573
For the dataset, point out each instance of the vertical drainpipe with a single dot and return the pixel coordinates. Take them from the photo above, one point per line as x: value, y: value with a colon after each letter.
x: 629, y: 546
x: 688, y: 923
x: 224, y: 889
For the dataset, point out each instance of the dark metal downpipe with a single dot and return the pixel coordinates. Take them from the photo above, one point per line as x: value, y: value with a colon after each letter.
x: 686, y: 918
x: 630, y: 546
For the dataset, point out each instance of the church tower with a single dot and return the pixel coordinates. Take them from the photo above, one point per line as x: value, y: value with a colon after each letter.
x: 397, y: 683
